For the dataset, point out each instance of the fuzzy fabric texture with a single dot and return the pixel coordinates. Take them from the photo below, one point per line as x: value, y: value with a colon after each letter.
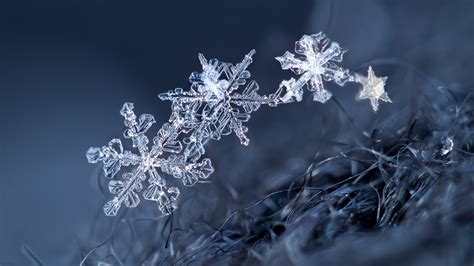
x: 402, y: 196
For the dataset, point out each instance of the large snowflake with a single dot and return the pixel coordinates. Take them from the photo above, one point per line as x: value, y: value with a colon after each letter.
x: 317, y: 63
x: 146, y: 163
x: 213, y: 107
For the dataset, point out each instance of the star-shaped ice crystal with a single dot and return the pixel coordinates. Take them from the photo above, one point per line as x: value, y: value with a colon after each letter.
x: 373, y: 88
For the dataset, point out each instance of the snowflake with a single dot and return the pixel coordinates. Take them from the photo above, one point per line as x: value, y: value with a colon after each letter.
x: 218, y: 103
x: 317, y: 63
x: 146, y: 164
x: 213, y: 107
x: 373, y: 88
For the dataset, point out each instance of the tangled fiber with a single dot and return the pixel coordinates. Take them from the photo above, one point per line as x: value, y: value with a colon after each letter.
x: 404, y: 197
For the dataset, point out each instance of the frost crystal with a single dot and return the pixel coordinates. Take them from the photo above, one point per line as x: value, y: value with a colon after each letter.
x: 373, y: 88
x: 447, y: 146
x: 213, y: 107
x: 316, y: 63
x: 146, y: 163
x: 218, y: 103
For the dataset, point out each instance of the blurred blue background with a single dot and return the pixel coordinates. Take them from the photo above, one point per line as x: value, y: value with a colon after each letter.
x: 66, y: 67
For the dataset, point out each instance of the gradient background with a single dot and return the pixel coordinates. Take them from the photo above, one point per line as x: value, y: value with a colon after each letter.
x: 66, y: 67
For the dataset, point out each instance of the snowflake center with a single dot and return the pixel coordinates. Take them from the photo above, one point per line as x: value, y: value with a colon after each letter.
x: 316, y: 67
x: 148, y: 161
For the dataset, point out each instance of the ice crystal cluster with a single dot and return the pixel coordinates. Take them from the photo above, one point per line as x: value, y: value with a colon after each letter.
x: 219, y: 102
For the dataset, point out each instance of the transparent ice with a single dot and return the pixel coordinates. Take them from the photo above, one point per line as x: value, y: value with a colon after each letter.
x: 219, y: 102
x: 315, y: 61
x: 146, y: 163
x: 214, y: 106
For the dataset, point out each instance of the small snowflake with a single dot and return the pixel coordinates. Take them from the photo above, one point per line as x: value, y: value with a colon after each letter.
x: 373, y: 88
x: 317, y: 63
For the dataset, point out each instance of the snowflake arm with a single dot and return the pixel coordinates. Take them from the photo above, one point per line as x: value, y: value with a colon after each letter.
x: 190, y: 173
